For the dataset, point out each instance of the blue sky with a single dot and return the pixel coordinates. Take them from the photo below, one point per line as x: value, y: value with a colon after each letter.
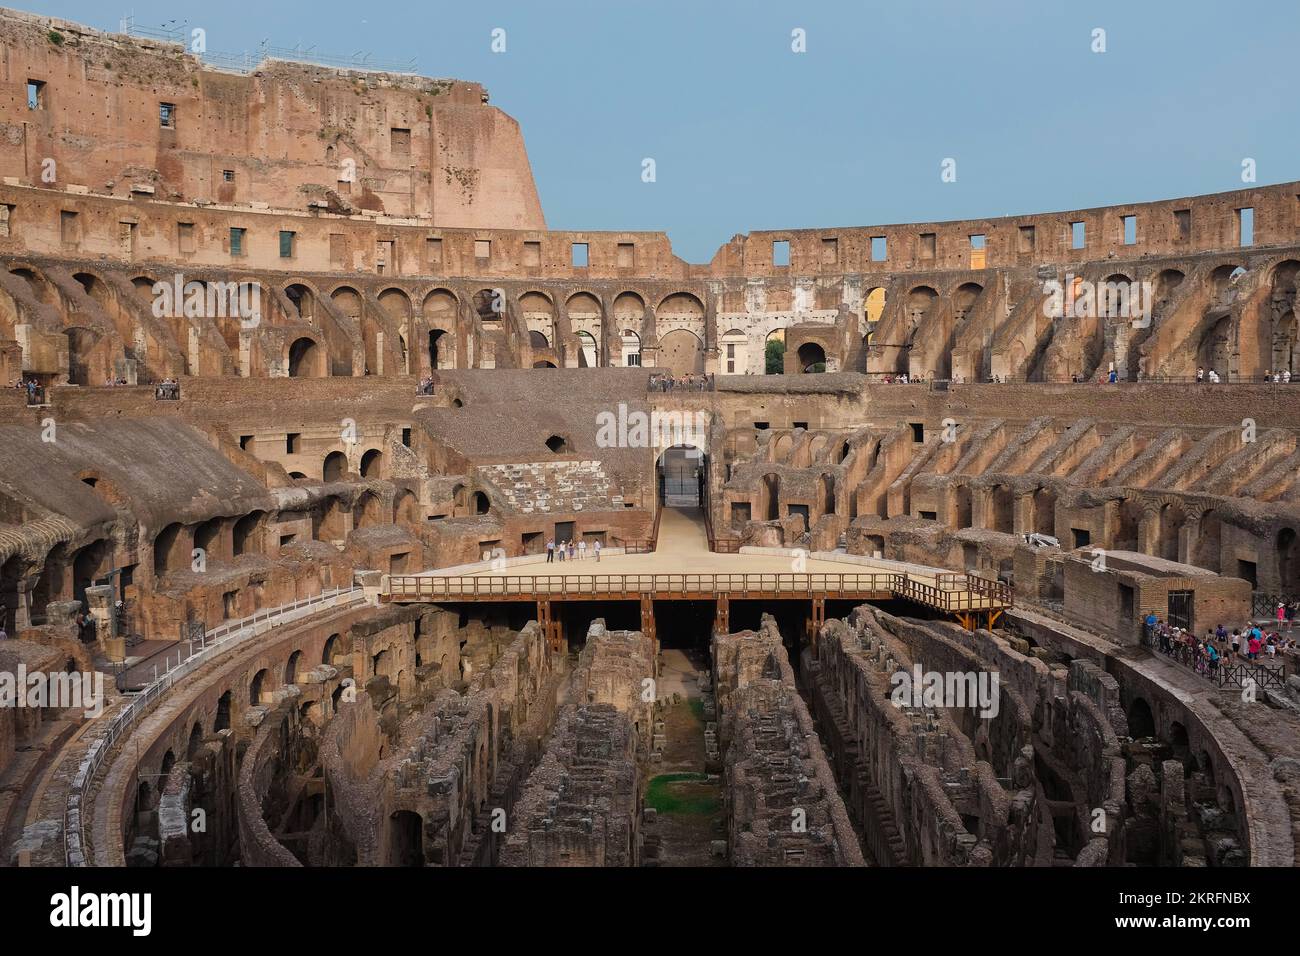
x: 747, y: 134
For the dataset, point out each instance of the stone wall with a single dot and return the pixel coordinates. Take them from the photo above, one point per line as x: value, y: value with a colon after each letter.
x: 782, y: 805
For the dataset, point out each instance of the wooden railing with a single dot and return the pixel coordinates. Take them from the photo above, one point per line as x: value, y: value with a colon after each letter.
x: 578, y: 586
x: 525, y: 587
x: 716, y: 544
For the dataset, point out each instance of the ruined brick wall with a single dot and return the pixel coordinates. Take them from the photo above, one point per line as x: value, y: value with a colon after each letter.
x: 285, y: 135
x: 782, y: 805
x: 581, y: 806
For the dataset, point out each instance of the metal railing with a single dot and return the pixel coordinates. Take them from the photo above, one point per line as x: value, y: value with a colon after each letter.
x: 1264, y: 604
x: 227, y: 636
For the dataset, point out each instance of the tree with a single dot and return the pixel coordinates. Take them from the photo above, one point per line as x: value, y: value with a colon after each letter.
x: 775, y: 353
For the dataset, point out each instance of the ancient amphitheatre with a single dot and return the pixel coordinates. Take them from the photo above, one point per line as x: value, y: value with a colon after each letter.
x: 295, y: 427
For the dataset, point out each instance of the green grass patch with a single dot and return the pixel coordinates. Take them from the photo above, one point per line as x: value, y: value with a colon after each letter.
x: 682, y: 793
x: 697, y: 708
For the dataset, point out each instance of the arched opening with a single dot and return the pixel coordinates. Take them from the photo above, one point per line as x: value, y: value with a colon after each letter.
x: 87, y: 362
x: 367, y: 511
x: 586, y: 318
x: 1141, y: 723
x: 335, y: 466
x: 406, y: 508
x: 557, y: 444
x: 195, y: 742
x: 631, y: 348
x: 774, y: 353
x: 372, y: 464
x: 222, y: 720
x: 812, y: 358
x: 303, y: 302
x: 332, y: 650
x: 165, y: 548
x: 827, y: 494
x: 441, y: 349
x: 207, y: 538
x: 481, y: 504
x: 304, y: 359
x: 588, y: 352
x: 539, y: 318
x: 246, y: 537
x: 1214, y: 351
x: 681, y: 352
x: 680, y: 476
x: 405, y: 839
x: 735, y: 352
x: 291, y: 668
x: 257, y: 688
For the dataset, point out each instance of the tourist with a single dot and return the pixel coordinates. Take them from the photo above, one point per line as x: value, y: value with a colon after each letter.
x: 1281, y: 614
x: 572, y: 550
x: 1200, y: 375
x: 550, y: 551
x: 1212, y: 657
x: 1236, y: 643
x: 582, y: 550
x: 561, y: 551
x: 1151, y: 623
x: 596, y: 548
x: 1253, y: 645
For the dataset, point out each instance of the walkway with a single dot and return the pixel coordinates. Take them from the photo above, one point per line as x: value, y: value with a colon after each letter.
x: 682, y: 567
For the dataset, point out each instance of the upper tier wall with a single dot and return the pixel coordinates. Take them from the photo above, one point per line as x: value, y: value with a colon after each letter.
x: 39, y: 221
x: 286, y: 134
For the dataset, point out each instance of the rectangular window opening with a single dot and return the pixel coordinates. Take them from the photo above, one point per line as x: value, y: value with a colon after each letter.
x: 879, y: 248
x: 1246, y: 226
x: 1078, y: 235
x: 1130, y: 230
x: 780, y: 252
x: 579, y: 255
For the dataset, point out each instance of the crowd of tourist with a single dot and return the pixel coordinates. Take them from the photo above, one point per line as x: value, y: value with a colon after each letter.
x: 168, y: 390
x: 1205, y: 655
x: 690, y: 382
x: 426, y: 386
x: 570, y: 550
